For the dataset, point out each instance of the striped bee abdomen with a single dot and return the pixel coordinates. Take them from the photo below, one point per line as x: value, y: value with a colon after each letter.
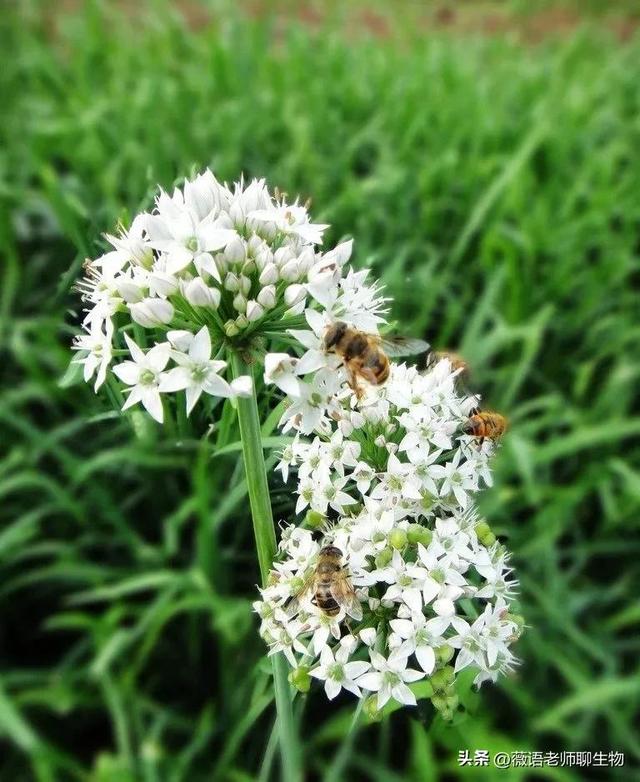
x: 325, y: 600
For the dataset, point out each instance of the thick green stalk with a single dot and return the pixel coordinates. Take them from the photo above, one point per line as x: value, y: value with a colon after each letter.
x: 265, y: 536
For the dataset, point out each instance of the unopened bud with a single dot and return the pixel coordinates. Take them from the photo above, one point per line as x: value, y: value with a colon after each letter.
x: 484, y: 533
x: 419, y: 534
x: 300, y: 678
x: 398, y: 539
x: 443, y: 654
x: 294, y: 294
x: 231, y: 282
x: 314, y: 519
x: 384, y: 557
x: 235, y: 251
x: 254, y: 310
x: 267, y: 297
x: 230, y: 329
x: 371, y: 710
x: 290, y: 271
x: 245, y: 285
x: 269, y: 274
x: 443, y: 678
x: 239, y: 303
x: 241, y: 322
x: 150, y: 313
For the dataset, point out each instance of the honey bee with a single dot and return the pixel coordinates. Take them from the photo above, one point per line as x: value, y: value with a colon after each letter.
x: 458, y: 363
x: 365, y: 355
x: 330, y: 585
x: 485, y: 424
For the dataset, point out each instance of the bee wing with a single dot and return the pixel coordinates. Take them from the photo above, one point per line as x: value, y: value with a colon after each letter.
x: 397, y: 346
x: 342, y: 592
x: 292, y: 606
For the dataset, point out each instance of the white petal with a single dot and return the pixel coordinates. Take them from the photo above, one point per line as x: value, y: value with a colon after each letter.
x: 371, y: 681
x: 158, y: 356
x: 217, y: 386
x: 136, y: 353
x: 152, y: 402
x: 426, y: 657
x: 175, y: 379
x: 332, y: 688
x: 200, y: 348
x: 128, y: 372
x: 193, y: 394
x: 403, y: 695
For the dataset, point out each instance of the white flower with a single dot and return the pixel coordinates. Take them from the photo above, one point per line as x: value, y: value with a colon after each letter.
x: 97, y: 343
x: 420, y: 637
x: 390, y: 678
x: 291, y: 220
x: 457, y: 478
x: 143, y: 376
x: 196, y: 372
x: 338, y: 673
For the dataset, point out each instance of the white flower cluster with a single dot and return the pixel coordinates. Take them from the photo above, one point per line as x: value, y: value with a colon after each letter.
x: 209, y: 265
x: 390, y: 479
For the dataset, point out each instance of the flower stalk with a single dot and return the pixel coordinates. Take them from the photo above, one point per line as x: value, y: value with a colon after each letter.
x: 265, y: 537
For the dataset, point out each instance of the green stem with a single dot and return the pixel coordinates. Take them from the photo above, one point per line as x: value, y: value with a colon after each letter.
x: 265, y: 535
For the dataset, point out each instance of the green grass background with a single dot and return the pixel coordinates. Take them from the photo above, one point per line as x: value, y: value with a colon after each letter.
x: 493, y: 183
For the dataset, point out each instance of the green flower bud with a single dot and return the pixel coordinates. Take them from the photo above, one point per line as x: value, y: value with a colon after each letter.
x: 443, y: 654
x: 300, y: 678
x: 230, y: 329
x: 452, y: 701
x: 419, y: 534
x: 314, y: 519
x: 384, y: 557
x: 398, y: 539
x: 484, y: 533
x: 442, y: 678
x: 371, y: 709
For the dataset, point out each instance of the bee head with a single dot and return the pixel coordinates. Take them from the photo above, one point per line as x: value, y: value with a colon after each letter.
x: 331, y: 551
x: 334, y: 334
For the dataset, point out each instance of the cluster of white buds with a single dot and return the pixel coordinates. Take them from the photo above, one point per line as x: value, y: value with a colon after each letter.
x: 210, y: 268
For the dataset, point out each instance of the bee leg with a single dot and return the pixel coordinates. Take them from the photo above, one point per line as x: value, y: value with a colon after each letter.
x: 353, y: 383
x: 313, y: 601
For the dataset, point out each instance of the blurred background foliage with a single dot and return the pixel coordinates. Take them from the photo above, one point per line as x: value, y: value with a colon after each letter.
x: 485, y: 158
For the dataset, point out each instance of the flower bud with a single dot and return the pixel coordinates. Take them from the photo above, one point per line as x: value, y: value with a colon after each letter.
x: 150, y: 313
x: 239, y: 303
x: 236, y: 213
x: 306, y: 259
x: 269, y: 274
x: 484, y: 533
x: 384, y: 557
x: 248, y: 267
x: 129, y: 290
x: 398, y: 539
x: 264, y: 257
x: 254, y: 310
x: 245, y: 285
x: 200, y: 295
x: 235, y: 251
x: 371, y: 710
x: 443, y: 678
x: 294, y: 294
x: 419, y: 534
x: 282, y: 256
x: 254, y: 245
x: 290, y: 271
x: 231, y: 282
x: 162, y: 284
x: 267, y: 297
x: 230, y: 329
x: 314, y: 519
x: 241, y: 322
x: 443, y: 654
x: 300, y: 678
